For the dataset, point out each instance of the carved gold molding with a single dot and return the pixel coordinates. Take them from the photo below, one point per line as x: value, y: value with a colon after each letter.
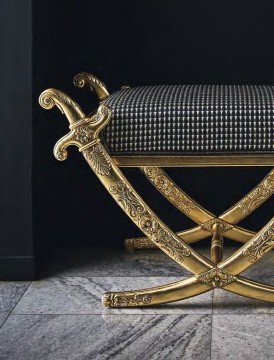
x: 260, y: 245
x: 139, y: 243
x: 169, y: 190
x: 129, y: 300
x: 258, y: 195
x: 216, y: 278
x: 209, y: 225
x: 147, y: 222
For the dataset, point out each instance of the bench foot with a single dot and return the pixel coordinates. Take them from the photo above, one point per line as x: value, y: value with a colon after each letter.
x: 179, y: 290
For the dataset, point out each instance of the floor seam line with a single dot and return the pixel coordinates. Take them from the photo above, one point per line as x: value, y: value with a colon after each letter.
x: 211, y: 334
x: 15, y: 305
x: 100, y: 314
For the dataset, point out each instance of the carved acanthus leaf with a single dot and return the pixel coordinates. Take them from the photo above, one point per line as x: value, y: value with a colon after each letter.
x: 97, y: 159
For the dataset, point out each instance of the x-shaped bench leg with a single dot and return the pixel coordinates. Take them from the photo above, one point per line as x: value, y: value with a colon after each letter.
x: 201, y: 216
x: 207, y: 275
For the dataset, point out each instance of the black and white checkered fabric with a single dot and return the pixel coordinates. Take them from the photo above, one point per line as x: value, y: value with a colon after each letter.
x: 191, y: 119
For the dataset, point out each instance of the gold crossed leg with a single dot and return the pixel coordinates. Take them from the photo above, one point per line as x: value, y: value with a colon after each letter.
x: 206, y: 220
x: 84, y: 133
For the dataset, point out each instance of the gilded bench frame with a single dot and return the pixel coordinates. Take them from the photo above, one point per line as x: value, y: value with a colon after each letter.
x: 207, y: 273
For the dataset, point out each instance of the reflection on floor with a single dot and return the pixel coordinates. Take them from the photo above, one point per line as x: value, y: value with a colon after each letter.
x: 61, y: 317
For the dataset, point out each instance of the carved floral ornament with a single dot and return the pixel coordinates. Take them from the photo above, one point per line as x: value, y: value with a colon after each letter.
x: 147, y: 222
x: 126, y: 300
x: 208, y: 226
x: 140, y: 243
x: 169, y: 189
x: 260, y: 245
x: 216, y: 278
x: 258, y: 195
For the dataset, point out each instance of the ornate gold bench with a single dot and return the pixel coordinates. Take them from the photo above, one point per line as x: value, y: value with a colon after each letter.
x: 182, y: 125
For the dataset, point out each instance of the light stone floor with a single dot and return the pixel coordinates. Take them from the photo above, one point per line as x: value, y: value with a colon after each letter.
x: 61, y: 317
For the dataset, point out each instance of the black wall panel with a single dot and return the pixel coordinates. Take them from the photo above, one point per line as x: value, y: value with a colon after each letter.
x: 16, y: 243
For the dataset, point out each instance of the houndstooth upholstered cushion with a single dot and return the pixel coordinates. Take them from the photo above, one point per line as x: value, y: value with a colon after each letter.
x: 191, y: 119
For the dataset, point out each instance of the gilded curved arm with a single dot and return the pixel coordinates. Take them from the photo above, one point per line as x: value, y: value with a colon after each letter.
x: 249, y: 203
x: 60, y: 148
x: 53, y: 97
x: 82, y: 79
x: 252, y: 289
x: 84, y: 129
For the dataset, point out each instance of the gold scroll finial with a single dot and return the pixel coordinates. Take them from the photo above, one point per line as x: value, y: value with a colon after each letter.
x: 53, y: 97
x: 84, y: 129
x: 82, y: 79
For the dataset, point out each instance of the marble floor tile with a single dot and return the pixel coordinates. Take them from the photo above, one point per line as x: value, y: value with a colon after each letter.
x: 79, y: 295
x: 88, y: 262
x: 114, y: 262
x: 95, y: 337
x: 10, y: 294
x: 242, y: 337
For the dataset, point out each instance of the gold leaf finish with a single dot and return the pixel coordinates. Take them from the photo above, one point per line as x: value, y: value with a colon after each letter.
x: 258, y: 195
x: 261, y: 245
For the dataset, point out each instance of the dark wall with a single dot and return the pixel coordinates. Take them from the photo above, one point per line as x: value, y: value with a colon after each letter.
x: 16, y: 245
